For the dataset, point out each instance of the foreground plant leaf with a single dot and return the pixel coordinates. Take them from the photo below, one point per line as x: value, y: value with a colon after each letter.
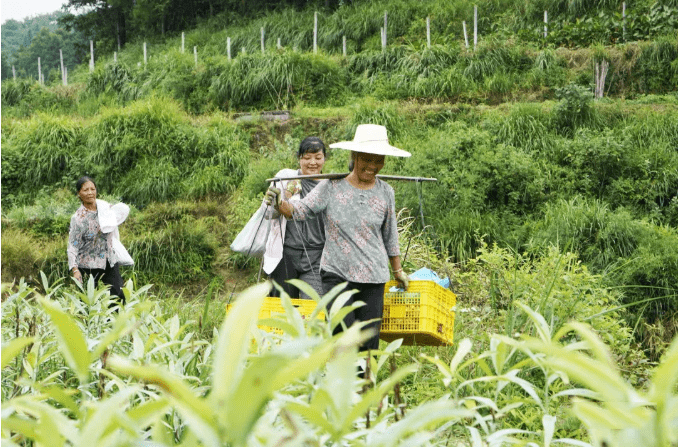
x: 12, y: 348
x: 71, y: 340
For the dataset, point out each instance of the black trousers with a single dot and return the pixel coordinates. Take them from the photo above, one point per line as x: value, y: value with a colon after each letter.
x: 373, y: 297
x: 109, y: 276
x: 298, y: 264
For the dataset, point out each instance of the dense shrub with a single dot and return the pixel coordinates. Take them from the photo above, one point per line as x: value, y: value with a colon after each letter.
x: 24, y: 255
x: 23, y: 98
x: 41, y: 152
x: 13, y: 92
x: 277, y: 81
x: 48, y: 216
x: 143, y: 153
x: 480, y: 184
x: 574, y: 110
x: 526, y: 127
x: 181, y: 252
x: 590, y: 228
x: 656, y: 69
x: 652, y: 270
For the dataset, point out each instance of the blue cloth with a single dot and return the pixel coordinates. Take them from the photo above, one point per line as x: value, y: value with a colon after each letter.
x: 425, y: 274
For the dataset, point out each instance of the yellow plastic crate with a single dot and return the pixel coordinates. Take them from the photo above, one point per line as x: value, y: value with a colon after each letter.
x: 422, y: 315
x: 273, y: 306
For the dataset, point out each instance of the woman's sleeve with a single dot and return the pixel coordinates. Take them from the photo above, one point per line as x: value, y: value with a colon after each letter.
x: 389, y: 230
x: 73, y: 241
x: 314, y: 203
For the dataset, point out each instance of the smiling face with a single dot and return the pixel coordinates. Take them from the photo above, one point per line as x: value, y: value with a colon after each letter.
x: 88, y: 194
x: 367, y: 166
x: 311, y: 163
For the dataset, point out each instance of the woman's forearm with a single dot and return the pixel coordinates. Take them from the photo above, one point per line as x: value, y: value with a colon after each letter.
x: 72, y: 253
x: 71, y: 249
x: 286, y: 209
x: 395, y: 264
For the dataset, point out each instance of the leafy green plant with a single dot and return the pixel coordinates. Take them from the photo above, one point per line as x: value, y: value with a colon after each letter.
x: 138, y: 364
x: 615, y: 413
x: 574, y: 110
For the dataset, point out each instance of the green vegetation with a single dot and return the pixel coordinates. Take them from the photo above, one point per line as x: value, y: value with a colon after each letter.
x: 551, y: 208
x: 145, y: 374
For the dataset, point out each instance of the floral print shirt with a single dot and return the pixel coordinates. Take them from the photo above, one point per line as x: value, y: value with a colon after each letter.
x: 88, y: 247
x: 360, y: 228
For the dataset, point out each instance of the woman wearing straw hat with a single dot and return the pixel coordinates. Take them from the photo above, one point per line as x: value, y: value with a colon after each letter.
x: 361, y: 233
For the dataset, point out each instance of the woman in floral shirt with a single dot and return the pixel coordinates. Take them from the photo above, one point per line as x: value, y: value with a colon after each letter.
x: 360, y: 226
x: 90, y: 251
x: 293, y: 250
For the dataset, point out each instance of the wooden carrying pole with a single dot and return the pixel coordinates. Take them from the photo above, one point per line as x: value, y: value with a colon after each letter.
x: 344, y: 174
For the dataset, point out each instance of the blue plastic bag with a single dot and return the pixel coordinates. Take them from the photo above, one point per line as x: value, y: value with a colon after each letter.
x: 425, y: 274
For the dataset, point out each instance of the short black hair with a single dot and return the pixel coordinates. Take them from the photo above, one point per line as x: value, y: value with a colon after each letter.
x: 311, y: 145
x: 81, y: 181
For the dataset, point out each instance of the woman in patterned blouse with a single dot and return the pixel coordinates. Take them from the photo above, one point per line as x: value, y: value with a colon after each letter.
x: 360, y: 226
x: 89, y: 250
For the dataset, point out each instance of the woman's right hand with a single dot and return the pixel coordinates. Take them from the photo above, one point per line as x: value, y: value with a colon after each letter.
x: 273, y: 197
x: 77, y: 275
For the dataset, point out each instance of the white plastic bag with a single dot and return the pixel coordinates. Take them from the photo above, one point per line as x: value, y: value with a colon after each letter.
x: 110, y: 216
x: 252, y: 238
x: 121, y: 253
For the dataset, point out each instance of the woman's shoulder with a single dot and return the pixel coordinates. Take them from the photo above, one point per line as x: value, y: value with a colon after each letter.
x: 79, y: 213
x: 384, y: 185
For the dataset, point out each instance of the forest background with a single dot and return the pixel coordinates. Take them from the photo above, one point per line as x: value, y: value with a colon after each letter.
x: 545, y: 194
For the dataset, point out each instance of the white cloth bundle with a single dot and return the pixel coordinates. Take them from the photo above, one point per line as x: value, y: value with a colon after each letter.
x: 109, y: 219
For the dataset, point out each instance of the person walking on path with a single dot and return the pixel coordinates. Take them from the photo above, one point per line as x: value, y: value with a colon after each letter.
x: 91, y: 246
x: 293, y: 249
x: 361, y: 233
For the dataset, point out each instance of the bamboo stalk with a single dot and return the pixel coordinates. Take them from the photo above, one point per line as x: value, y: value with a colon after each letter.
x: 344, y: 174
x: 262, y: 40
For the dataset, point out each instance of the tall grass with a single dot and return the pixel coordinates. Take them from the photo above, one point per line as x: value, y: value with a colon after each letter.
x: 527, y: 127
x: 656, y: 69
x: 589, y: 227
x: 45, y: 150
x: 277, y: 81
x: 181, y: 252
x: 146, y: 152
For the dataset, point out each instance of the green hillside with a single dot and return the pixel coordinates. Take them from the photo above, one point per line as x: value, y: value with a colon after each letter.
x: 555, y: 201
x: 525, y: 156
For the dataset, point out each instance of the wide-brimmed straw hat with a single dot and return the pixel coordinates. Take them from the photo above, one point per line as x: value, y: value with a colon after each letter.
x: 371, y: 139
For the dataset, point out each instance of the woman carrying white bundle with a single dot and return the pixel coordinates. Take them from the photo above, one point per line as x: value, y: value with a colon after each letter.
x: 94, y: 246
